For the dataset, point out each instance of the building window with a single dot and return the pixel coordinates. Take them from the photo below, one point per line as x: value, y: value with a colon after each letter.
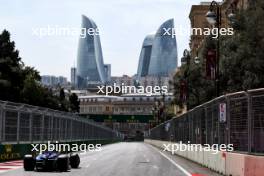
x: 107, y: 108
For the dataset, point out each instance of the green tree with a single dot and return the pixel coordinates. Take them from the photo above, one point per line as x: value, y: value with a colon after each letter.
x: 10, y: 69
x: 20, y: 83
x: 242, y: 55
x: 75, y: 103
x: 32, y: 72
x: 62, y: 94
x: 32, y: 92
x: 199, y: 89
x: 241, y: 59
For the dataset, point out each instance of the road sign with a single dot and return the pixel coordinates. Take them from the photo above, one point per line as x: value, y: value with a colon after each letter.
x: 222, y: 112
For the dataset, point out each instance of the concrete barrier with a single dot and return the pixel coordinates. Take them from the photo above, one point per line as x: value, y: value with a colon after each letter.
x: 221, y: 162
x: 216, y: 161
x: 199, y: 157
x: 254, y: 166
x: 226, y: 163
x: 235, y: 164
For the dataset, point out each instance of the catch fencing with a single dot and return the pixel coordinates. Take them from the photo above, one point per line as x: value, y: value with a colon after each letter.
x: 236, y: 118
x: 21, y: 123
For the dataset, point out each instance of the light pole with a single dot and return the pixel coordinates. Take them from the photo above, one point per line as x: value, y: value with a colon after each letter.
x: 163, y: 108
x: 213, y: 17
x: 185, y: 60
x: 154, y: 113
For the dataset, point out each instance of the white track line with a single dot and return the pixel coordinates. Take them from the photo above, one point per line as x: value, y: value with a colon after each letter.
x: 173, y: 162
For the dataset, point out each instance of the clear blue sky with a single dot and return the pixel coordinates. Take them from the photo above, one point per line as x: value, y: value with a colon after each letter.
x: 123, y: 25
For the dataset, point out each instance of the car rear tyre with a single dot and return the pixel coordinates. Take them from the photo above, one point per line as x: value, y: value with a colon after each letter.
x: 74, y: 160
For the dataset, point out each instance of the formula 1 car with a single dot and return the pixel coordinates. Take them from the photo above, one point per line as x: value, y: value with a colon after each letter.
x: 51, y: 161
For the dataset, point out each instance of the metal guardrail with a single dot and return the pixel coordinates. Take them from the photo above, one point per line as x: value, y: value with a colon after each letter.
x: 243, y: 126
x: 22, y: 123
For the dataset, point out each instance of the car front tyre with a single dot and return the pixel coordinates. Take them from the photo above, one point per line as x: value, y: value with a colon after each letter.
x: 63, y: 163
x: 29, y: 163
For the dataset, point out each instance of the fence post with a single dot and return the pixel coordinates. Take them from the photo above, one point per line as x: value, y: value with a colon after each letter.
x: 59, y: 129
x: 51, y: 126
x: 18, y: 126
x: 30, y: 126
x: 228, y: 118
x: 249, y: 116
x: 218, y: 124
x: 42, y: 128
x: 4, y: 119
x: 206, y: 127
x: 189, y: 127
x: 70, y: 129
x: 1, y: 123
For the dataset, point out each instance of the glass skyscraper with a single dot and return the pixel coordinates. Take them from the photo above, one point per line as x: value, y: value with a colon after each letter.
x: 145, y: 55
x: 90, y: 65
x: 158, y: 56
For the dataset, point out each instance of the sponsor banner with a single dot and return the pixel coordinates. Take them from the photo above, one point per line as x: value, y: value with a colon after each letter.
x: 121, y: 118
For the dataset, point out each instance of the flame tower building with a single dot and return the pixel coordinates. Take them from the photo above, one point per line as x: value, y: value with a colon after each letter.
x: 158, y: 57
x: 145, y: 54
x: 90, y: 65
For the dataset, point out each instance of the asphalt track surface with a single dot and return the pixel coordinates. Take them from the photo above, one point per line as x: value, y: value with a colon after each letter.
x: 121, y: 159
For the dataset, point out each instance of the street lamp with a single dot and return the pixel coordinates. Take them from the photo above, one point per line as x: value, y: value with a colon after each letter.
x: 197, y: 59
x: 155, y: 114
x: 231, y: 16
x: 213, y: 17
x: 186, y: 57
x: 163, y: 108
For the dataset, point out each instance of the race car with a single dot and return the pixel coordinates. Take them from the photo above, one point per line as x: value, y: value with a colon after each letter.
x: 51, y: 161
